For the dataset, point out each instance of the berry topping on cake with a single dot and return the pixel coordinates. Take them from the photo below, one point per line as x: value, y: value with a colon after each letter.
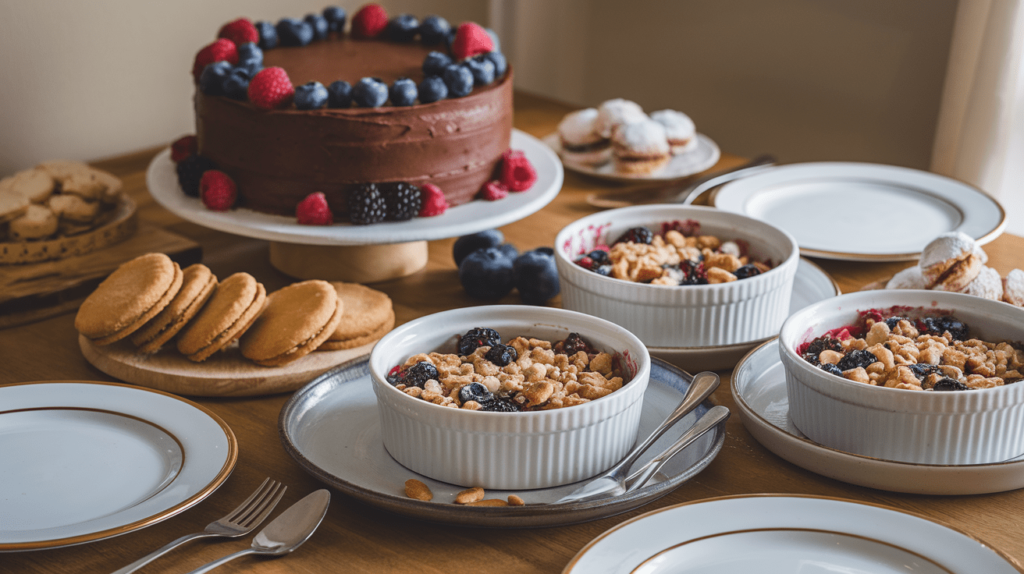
x: 476, y: 338
x: 487, y: 274
x: 217, y: 190
x: 250, y: 57
x: 239, y: 31
x: 402, y: 201
x: 482, y: 70
x: 369, y: 21
x: 311, y: 96
x: 432, y: 89
x: 435, y: 63
x: 319, y: 25
x: 499, y: 61
x: 434, y: 202
x: 459, y: 80
x: 292, y: 32
x: 339, y: 94
x: 493, y: 191
x: 365, y: 205
x: 403, y: 92
x: 313, y: 210
x: 403, y: 28
x: 433, y: 30
x: 471, y: 39
x: 335, y: 17
x: 517, y: 172
x: 236, y: 83
x: 222, y: 50
x: 536, y: 277
x: 370, y: 93
x: 271, y: 89
x: 190, y: 171
x: 211, y: 81
x: 183, y: 147
x: 268, y: 34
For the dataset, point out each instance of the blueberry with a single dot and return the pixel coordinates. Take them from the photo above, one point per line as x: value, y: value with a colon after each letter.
x: 250, y: 57
x: 891, y: 322
x: 536, y: 277
x: 546, y: 251
x: 402, y: 28
x: 501, y: 355
x: 418, y: 374
x: 475, y: 392
x: 746, y: 271
x: 370, y: 93
x: 403, y: 92
x: 636, y: 235
x: 830, y: 368
x: 432, y: 89
x: 486, y: 274
x: 470, y: 243
x: 448, y: 39
x: 268, y: 34
x: 948, y: 384
x: 319, y: 25
x: 499, y: 61
x: 494, y: 39
x: 605, y: 270
x: 476, y: 338
x: 459, y: 80
x: 435, y: 63
x: 599, y: 257
x: 433, y: 30
x: 211, y: 81
x: 292, y: 32
x: 482, y: 70
x: 236, y: 84
x: 339, y: 94
x: 857, y: 358
x: 335, y: 17
x: 509, y: 250
x: 310, y: 96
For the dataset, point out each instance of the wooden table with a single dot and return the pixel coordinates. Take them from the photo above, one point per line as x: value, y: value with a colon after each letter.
x: 358, y: 538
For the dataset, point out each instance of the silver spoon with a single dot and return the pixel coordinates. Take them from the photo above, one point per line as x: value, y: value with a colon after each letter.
x: 715, y: 416
x: 286, y: 532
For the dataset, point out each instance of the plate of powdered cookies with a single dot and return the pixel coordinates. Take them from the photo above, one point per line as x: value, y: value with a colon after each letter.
x: 185, y: 331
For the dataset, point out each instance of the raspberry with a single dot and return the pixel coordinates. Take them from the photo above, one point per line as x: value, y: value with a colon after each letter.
x: 313, y: 210
x: 217, y: 190
x: 190, y: 171
x: 369, y: 21
x: 433, y: 201
x: 271, y: 88
x: 183, y: 147
x: 365, y: 205
x: 402, y: 201
x: 239, y: 31
x: 493, y: 191
x: 516, y: 171
x: 470, y: 40
x: 221, y: 50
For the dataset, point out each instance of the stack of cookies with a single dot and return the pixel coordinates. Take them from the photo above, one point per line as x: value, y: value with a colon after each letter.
x: 54, y: 198
x: 151, y: 301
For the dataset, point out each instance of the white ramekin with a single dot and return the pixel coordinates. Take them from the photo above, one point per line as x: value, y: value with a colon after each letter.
x: 681, y: 316
x: 508, y: 451
x: 965, y: 427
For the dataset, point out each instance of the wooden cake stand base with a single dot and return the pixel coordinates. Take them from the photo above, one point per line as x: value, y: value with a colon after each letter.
x: 351, y: 263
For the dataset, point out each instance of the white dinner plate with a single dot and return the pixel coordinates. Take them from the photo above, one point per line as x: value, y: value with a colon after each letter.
x: 810, y: 285
x: 863, y: 211
x: 702, y: 157
x: 331, y: 427
x: 775, y: 534
x: 471, y: 217
x: 83, y: 461
x: 759, y: 387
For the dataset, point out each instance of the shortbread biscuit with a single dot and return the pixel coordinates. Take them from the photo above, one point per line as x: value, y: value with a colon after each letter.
x: 74, y: 208
x: 132, y: 295
x: 366, y: 311
x: 338, y: 345
x: 37, y: 223
x: 296, y: 320
x: 198, y: 283
x: 61, y: 169
x: 35, y: 184
x: 112, y: 185
x: 12, y: 205
x: 235, y: 304
x: 85, y: 185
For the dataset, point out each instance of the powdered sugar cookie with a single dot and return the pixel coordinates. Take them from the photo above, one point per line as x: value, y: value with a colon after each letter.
x: 1013, y: 288
x: 614, y: 113
x: 679, y: 130
x: 909, y: 278
x: 943, y: 253
x: 640, y: 147
x: 987, y: 284
x: 580, y: 142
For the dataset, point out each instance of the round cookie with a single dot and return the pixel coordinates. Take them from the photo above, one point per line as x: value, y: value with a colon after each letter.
x: 580, y: 143
x: 614, y: 113
x: 235, y: 304
x: 12, y: 205
x: 640, y: 147
x: 37, y: 223
x: 73, y: 208
x: 987, y: 284
x: 1013, y: 288
x: 34, y: 184
x: 61, y: 169
x: 132, y: 295
x: 296, y: 320
x: 198, y: 283
x: 942, y: 253
x: 84, y: 184
x: 366, y: 310
x: 679, y: 129
x: 909, y: 278
x: 111, y: 183
x: 338, y: 345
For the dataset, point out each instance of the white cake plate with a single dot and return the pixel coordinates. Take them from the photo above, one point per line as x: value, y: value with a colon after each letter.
x: 369, y: 252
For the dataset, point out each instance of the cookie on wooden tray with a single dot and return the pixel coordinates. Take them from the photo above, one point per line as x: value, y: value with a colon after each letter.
x: 112, y: 185
x: 338, y: 345
x: 12, y: 205
x: 198, y: 283
x: 84, y: 184
x: 74, y: 208
x: 60, y: 169
x: 368, y: 316
x: 296, y: 320
x: 34, y: 184
x: 132, y: 295
x: 235, y: 304
x: 39, y: 222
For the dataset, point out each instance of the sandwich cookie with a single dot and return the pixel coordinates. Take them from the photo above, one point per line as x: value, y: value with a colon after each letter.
x: 37, y: 223
x: 1013, y: 288
x: 950, y: 262
x: 368, y: 316
x: 987, y: 284
x: 235, y: 304
x: 580, y: 143
x: 198, y: 283
x: 640, y: 147
x: 909, y: 278
x: 296, y: 320
x: 132, y: 295
x: 615, y: 113
x: 679, y: 130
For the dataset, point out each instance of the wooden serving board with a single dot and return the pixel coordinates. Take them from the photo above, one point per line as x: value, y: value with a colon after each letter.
x: 225, y: 374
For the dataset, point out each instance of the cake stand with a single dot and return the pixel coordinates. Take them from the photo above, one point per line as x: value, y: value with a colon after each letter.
x: 362, y: 253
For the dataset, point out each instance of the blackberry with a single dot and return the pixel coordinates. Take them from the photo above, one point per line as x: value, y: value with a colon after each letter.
x: 190, y: 171
x: 857, y: 358
x: 418, y: 374
x: 830, y: 368
x: 365, y: 205
x: 695, y: 272
x: 811, y: 358
x: 636, y: 235
x: 475, y: 392
x: 922, y: 370
x: 746, y: 271
x: 824, y: 343
x: 402, y: 201
x: 948, y: 384
x: 940, y: 325
x: 574, y: 344
x: 476, y: 338
x: 500, y: 406
x: 501, y: 355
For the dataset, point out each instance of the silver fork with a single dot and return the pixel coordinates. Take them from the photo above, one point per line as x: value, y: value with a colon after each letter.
x: 238, y: 522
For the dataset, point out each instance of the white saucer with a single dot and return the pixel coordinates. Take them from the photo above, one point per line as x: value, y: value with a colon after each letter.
x: 863, y: 211
x: 810, y: 285
x: 332, y: 429
x: 471, y: 217
x: 703, y: 156
x: 775, y: 534
x: 759, y: 387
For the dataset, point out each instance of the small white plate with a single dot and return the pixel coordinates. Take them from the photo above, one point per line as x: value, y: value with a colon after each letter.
x: 471, y: 217
x: 696, y: 160
x: 331, y: 427
x: 810, y: 285
x: 86, y: 461
x: 759, y: 387
x: 863, y: 211
x: 775, y: 534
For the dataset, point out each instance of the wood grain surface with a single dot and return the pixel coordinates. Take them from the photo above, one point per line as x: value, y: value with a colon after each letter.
x: 355, y: 538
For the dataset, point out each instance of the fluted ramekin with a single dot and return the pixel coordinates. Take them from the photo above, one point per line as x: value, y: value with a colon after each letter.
x: 687, y: 315
x: 508, y: 451
x: 964, y: 427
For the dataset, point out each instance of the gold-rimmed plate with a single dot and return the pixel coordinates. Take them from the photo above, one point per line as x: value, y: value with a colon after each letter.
x: 84, y: 461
